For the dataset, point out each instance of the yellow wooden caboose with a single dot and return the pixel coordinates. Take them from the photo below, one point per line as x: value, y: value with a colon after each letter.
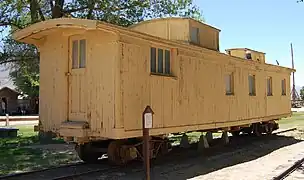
x: 96, y: 79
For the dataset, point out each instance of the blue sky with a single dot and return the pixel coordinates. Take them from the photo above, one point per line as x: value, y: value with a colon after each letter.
x: 263, y: 25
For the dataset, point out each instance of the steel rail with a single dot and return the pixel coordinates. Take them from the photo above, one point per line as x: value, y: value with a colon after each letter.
x: 291, y: 169
x: 40, y: 170
x: 66, y: 177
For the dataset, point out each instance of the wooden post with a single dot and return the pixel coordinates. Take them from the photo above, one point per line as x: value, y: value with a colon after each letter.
x: 147, y: 121
x: 7, y: 120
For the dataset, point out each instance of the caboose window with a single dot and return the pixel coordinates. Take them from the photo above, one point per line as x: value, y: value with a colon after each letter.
x: 283, y: 87
x: 82, y: 53
x: 194, y: 35
x: 75, y: 54
x: 79, y: 54
x: 251, y: 81
x: 163, y: 62
x: 153, y: 60
x: 269, y: 86
x: 160, y: 62
x: 229, y: 84
x: 167, y: 62
x: 248, y: 55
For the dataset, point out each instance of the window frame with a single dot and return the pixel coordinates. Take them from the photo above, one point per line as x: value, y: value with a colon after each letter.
x: 253, y: 93
x: 283, y: 88
x: 166, y: 53
x: 230, y: 76
x: 79, y: 54
x: 196, y: 31
x: 269, y: 86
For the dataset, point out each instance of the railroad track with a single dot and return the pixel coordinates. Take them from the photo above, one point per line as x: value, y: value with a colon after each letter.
x: 290, y: 170
x: 77, y: 170
x: 56, y: 172
x: 40, y: 170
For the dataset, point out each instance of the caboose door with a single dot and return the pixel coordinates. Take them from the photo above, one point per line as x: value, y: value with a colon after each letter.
x: 77, y: 79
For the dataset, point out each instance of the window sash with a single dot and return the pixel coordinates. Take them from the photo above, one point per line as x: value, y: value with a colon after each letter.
x: 269, y: 86
x: 160, y: 61
x: 251, y: 80
x: 194, y: 35
x: 78, y: 54
x: 75, y: 54
x: 229, y: 83
x: 283, y: 85
x: 82, y: 53
x: 153, y: 60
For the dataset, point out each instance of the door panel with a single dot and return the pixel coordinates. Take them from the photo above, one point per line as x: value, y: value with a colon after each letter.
x: 77, y: 79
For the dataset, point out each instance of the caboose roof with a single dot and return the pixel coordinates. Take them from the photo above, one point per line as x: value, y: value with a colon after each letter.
x: 245, y: 49
x: 35, y: 33
x: 172, y: 19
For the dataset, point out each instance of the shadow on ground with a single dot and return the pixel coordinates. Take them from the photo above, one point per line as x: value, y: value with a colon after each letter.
x: 25, y: 159
x: 235, y: 153
x: 16, y: 156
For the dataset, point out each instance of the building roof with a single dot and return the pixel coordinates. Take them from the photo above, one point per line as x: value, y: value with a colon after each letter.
x: 9, y: 89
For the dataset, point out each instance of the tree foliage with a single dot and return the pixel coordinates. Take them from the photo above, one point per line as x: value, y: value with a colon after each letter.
x: 23, y: 60
x: 302, y: 93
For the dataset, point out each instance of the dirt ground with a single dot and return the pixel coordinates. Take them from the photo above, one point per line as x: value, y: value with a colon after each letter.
x: 258, y: 161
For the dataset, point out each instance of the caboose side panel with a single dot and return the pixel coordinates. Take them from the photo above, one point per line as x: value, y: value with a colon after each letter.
x: 101, y: 80
x: 278, y: 90
x: 198, y: 95
x: 134, y: 87
x: 78, y: 82
x: 53, y: 82
x: 140, y: 88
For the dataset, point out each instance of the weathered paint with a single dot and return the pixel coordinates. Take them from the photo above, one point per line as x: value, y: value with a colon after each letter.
x: 179, y: 29
x: 117, y: 83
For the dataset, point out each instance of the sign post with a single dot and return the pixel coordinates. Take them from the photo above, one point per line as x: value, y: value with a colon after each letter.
x: 147, y: 122
x: 6, y: 120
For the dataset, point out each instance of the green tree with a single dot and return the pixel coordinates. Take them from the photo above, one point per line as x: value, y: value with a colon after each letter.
x: 23, y: 60
x: 302, y: 93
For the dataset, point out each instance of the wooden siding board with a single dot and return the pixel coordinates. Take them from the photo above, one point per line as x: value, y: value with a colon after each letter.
x: 53, y: 84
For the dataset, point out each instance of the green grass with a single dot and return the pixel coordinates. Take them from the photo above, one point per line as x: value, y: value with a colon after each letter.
x: 296, y: 120
x: 16, y: 156
x: 25, y: 136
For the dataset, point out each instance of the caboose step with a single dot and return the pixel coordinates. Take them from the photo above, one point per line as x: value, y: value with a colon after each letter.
x: 74, y: 129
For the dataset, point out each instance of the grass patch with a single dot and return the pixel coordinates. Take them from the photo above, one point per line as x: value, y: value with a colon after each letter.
x: 296, y: 120
x: 20, y: 159
x: 15, y: 156
x: 26, y: 136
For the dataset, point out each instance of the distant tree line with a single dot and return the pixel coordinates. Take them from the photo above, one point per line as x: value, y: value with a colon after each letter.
x: 302, y: 93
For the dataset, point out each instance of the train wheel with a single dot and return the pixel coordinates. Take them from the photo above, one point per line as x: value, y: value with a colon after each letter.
x: 164, y: 148
x: 257, y: 129
x: 119, y: 153
x: 269, y: 128
x: 247, y: 130
x: 86, y: 153
x: 235, y: 133
x: 114, y: 152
